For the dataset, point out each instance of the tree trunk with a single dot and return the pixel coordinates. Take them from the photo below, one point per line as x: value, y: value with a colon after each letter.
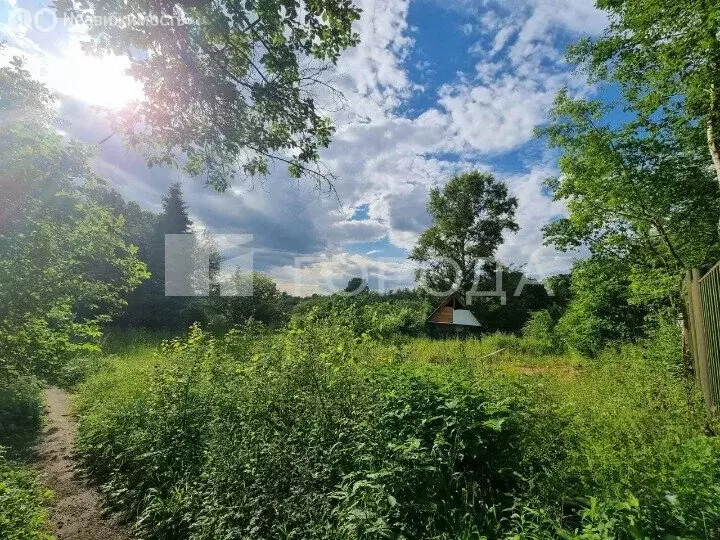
x: 712, y: 131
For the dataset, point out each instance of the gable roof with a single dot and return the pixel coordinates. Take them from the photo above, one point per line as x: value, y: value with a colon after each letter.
x: 445, y: 302
x: 460, y: 315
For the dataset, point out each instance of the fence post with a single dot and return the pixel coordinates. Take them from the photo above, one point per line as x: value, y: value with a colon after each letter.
x: 699, y: 337
x: 688, y: 347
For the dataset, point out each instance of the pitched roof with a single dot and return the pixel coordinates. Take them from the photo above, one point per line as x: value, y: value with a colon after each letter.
x: 445, y: 302
x: 464, y: 318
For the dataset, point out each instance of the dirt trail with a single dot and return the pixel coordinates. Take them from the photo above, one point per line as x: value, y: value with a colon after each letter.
x: 76, y: 510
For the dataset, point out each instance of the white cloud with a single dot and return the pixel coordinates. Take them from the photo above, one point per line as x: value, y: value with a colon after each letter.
x: 371, y: 74
x: 535, y: 210
x: 501, y: 39
x: 497, y: 108
x: 57, y: 59
x: 469, y: 28
x: 576, y: 16
x: 383, y: 160
x: 367, y: 230
x: 497, y: 116
x: 329, y: 273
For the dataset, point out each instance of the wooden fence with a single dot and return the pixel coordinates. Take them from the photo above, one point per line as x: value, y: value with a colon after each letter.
x: 703, y: 331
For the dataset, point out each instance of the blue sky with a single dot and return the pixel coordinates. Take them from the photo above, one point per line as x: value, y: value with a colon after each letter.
x: 435, y: 87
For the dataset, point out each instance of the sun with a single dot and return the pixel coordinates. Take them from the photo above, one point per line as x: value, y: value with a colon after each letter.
x: 100, y: 81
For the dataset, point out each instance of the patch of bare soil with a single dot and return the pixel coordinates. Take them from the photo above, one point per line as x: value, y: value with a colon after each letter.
x: 76, y: 512
x: 564, y: 372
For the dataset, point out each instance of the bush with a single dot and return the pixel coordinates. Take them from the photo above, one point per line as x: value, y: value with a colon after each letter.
x: 21, y: 409
x: 78, y: 368
x: 22, y: 516
x: 317, y: 433
x: 540, y: 332
x: 366, y: 313
x: 298, y: 436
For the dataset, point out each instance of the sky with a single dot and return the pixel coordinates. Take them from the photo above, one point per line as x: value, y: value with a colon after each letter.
x: 434, y: 88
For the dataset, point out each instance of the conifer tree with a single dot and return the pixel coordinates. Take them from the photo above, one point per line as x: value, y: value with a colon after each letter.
x: 174, y: 218
x: 149, y: 306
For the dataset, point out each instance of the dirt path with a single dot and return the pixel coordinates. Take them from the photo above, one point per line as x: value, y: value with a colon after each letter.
x: 76, y: 511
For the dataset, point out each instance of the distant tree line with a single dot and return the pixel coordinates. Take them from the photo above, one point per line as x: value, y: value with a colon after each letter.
x: 233, y: 298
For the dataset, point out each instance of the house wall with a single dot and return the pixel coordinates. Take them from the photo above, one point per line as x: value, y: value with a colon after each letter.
x: 444, y: 315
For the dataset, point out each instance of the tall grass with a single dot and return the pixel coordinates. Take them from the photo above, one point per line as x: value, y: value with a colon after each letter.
x: 22, y: 498
x: 318, y: 433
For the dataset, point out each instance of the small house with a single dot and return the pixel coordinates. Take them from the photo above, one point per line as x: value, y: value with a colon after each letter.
x: 453, y: 314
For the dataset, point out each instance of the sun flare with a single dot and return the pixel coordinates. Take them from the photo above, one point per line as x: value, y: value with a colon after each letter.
x: 100, y: 81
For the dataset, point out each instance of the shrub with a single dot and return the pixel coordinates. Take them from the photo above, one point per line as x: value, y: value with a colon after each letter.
x: 297, y: 436
x: 77, y: 369
x: 540, y: 332
x: 319, y: 433
x: 366, y: 313
x: 22, y: 515
x: 21, y: 409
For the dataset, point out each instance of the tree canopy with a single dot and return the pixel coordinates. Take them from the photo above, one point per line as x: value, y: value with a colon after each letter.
x: 356, y: 285
x: 666, y: 57
x: 228, y: 85
x: 250, y: 295
x: 636, y: 192
x: 65, y: 264
x: 470, y: 215
x: 637, y: 176
x: 149, y: 305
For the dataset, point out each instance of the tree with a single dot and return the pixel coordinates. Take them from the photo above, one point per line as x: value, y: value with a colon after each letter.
x: 228, y: 85
x: 470, y: 215
x: 636, y: 193
x: 666, y: 57
x: 511, y: 315
x: 65, y: 264
x: 559, y: 285
x: 602, y: 309
x: 253, y: 295
x: 148, y: 305
x: 206, y: 249
x: 174, y: 218
x: 356, y: 285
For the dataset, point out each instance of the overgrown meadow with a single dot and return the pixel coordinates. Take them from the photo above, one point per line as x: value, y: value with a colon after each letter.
x: 277, y: 417
x: 323, y: 430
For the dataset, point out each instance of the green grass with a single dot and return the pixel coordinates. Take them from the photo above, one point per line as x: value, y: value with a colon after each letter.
x: 135, y: 341
x: 22, y: 497
x: 314, y: 433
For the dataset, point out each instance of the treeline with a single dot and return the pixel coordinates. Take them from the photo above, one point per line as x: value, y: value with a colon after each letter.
x: 226, y: 304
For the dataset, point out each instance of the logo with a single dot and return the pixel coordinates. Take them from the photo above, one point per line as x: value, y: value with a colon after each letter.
x: 16, y: 18
x: 19, y: 20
